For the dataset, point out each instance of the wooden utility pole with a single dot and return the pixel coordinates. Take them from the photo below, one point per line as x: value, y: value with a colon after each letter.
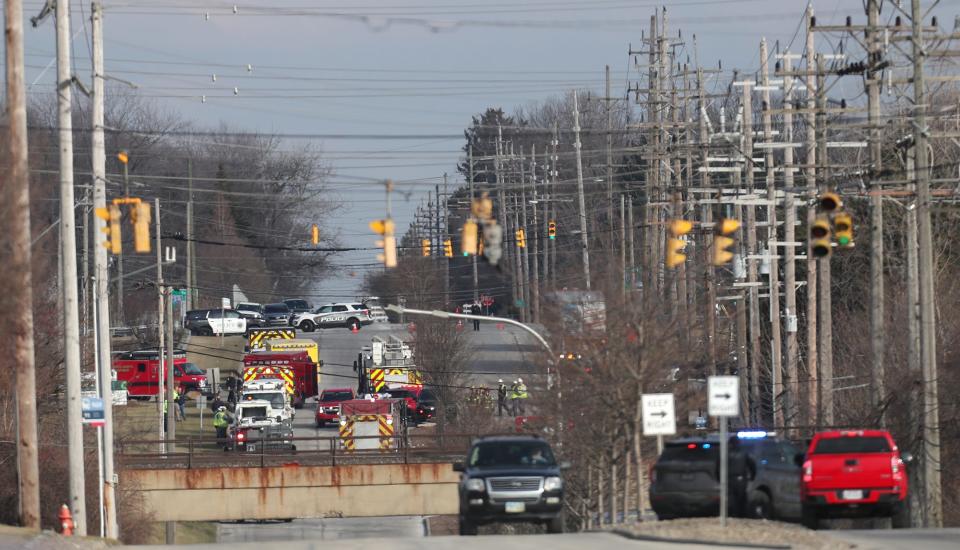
x: 773, y: 278
x: 473, y: 257
x: 623, y: 247
x: 533, y: 239
x: 810, y: 178
x: 877, y: 307
x: 584, y: 240
x: 824, y: 296
x: 753, y: 290
x: 710, y: 305
x: 791, y: 387
x: 651, y: 218
x: 191, y: 259
x: 547, y: 171
x: 102, y: 272
x: 933, y: 490
x: 16, y: 256
x: 68, y: 252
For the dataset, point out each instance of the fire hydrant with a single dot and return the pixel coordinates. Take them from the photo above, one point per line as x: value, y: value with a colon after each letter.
x: 66, y: 521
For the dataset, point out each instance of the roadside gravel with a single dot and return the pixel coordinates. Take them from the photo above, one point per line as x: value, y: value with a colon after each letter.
x: 769, y: 534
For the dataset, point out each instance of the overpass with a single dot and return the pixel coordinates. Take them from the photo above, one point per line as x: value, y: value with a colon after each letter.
x: 198, y: 481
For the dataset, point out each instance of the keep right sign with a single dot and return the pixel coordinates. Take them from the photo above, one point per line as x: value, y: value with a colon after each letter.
x: 658, y: 414
x: 723, y: 396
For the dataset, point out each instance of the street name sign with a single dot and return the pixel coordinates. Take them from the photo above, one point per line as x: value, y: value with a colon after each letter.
x: 658, y: 414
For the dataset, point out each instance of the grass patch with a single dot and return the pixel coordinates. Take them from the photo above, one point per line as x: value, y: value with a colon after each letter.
x: 187, y: 532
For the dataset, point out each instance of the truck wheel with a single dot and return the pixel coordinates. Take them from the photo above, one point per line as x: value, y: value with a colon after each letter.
x: 760, y: 505
x: 809, y: 518
x: 307, y: 326
x: 321, y: 423
x: 556, y: 524
x: 467, y: 527
x: 900, y: 519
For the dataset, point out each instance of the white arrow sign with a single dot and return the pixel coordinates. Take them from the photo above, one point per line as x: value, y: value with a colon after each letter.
x: 658, y: 414
x: 723, y: 396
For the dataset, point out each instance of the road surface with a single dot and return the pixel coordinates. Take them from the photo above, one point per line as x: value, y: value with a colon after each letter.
x: 322, y: 529
x: 900, y: 539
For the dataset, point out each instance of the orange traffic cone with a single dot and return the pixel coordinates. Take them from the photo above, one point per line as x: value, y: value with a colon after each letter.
x: 66, y: 521
x: 354, y: 328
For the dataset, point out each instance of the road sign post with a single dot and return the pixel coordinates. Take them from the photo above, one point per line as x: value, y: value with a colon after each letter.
x: 723, y: 401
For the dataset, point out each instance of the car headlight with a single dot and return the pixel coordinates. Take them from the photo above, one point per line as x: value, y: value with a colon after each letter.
x: 476, y: 485
x: 552, y: 484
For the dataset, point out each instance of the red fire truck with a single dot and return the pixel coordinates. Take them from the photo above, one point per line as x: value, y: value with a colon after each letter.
x: 296, y: 367
x: 140, y: 370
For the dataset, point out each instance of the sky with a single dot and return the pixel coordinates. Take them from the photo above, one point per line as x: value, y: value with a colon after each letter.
x: 385, y: 88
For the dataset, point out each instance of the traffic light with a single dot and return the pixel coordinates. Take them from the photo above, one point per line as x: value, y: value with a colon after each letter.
x: 469, y: 238
x: 448, y: 248
x: 425, y: 247
x: 140, y: 217
x: 552, y: 230
x: 843, y: 229
x: 521, y: 238
x: 111, y: 216
x: 829, y: 202
x: 820, y: 237
x: 315, y: 234
x: 722, y: 241
x: 492, y: 239
x: 388, y: 243
x: 675, y: 244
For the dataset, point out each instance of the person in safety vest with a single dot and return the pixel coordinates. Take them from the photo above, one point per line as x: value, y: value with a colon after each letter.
x: 514, y: 398
x: 501, y: 398
x: 178, y: 412
x: 521, y: 396
x: 220, y: 423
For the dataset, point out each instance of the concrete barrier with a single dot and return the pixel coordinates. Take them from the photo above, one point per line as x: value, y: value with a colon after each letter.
x: 293, y: 491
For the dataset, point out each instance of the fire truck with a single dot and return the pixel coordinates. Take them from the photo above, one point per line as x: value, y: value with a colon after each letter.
x: 296, y: 368
x: 141, y: 371
x: 390, y: 366
x: 372, y: 423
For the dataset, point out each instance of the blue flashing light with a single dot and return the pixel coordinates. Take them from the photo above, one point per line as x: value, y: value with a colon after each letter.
x: 706, y: 445
x: 752, y: 434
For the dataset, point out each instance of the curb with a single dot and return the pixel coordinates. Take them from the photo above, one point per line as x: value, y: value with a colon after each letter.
x: 634, y: 536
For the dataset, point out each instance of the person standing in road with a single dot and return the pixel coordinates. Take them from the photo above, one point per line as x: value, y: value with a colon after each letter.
x: 521, y: 396
x: 165, y: 409
x: 220, y: 423
x: 514, y: 398
x: 477, y: 308
x: 502, y: 398
x: 178, y: 399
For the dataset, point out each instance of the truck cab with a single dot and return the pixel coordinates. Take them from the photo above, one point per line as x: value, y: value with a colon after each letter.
x: 272, y: 391
x: 255, y: 429
x: 141, y: 371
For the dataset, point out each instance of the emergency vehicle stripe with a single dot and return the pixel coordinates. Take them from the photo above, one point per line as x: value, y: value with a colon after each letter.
x: 346, y: 435
x: 386, y: 433
x: 376, y: 379
x: 252, y: 373
x: 257, y: 336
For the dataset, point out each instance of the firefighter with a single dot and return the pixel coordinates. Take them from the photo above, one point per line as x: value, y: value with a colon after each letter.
x: 178, y: 411
x: 514, y: 398
x: 164, y: 409
x: 220, y: 423
x: 521, y: 396
x: 501, y: 398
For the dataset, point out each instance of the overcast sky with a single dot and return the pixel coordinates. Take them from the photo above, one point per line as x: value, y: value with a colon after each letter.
x: 406, y: 74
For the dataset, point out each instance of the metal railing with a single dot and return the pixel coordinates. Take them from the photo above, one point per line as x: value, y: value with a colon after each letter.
x: 306, y: 451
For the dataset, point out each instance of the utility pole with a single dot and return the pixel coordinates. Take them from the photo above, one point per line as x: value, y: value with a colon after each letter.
x: 753, y: 293
x: 160, y: 332
x: 547, y: 171
x: 523, y: 258
x: 824, y: 296
x: 918, y: 499
x: 928, y: 327
x: 792, y: 387
x: 773, y: 278
x: 813, y: 389
x: 444, y: 235
x: 473, y: 257
x: 171, y: 413
x: 582, y: 208
x: 877, y: 307
x: 534, y: 238
x: 15, y: 184
x: 191, y: 281
x: 608, y: 102
x: 710, y: 313
x: 121, y: 316
x: 623, y: 250
x: 101, y: 272
x: 68, y: 253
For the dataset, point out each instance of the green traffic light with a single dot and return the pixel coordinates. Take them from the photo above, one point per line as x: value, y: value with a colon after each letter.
x: 843, y: 241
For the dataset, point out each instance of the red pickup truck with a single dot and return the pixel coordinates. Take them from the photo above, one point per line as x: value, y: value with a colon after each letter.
x: 328, y: 404
x: 854, y: 473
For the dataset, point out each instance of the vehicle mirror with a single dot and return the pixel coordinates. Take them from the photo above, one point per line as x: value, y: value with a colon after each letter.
x: 458, y: 467
x: 907, y: 458
x: 799, y: 458
x: 565, y: 465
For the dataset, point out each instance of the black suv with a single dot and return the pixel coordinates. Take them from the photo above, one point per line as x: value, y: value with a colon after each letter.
x: 196, y: 321
x: 763, y: 477
x: 510, y: 479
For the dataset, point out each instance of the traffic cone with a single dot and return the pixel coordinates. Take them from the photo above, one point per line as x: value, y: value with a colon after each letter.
x: 499, y: 326
x: 66, y: 521
x: 354, y: 328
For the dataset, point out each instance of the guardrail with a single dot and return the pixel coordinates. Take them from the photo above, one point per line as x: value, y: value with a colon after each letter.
x: 310, y: 451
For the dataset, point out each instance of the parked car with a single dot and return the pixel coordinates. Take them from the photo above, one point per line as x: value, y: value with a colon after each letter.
x: 426, y: 406
x: 854, y: 473
x: 349, y: 314
x: 276, y: 314
x: 328, y: 404
x: 763, y: 477
x: 208, y: 322
x: 253, y: 313
x: 297, y: 305
x: 510, y: 479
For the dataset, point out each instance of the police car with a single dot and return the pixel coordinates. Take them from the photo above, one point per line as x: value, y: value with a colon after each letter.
x: 348, y: 314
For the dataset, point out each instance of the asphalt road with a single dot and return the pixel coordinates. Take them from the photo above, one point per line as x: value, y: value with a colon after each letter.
x: 321, y: 529
x: 900, y: 539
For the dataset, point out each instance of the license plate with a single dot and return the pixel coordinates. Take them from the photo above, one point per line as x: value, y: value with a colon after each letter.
x: 515, y: 507
x: 251, y: 448
x: 851, y: 495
